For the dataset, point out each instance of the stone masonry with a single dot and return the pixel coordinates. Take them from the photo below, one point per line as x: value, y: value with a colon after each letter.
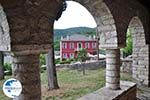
x: 31, y: 27
x: 140, y: 53
x: 27, y: 71
x: 113, y: 69
x: 127, y: 92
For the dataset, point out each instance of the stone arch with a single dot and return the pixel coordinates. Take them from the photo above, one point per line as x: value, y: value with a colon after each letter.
x: 4, y: 32
x: 105, y: 22
x: 140, y: 52
x: 106, y: 32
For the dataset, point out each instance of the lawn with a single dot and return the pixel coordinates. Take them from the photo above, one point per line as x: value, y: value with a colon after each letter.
x: 73, y: 84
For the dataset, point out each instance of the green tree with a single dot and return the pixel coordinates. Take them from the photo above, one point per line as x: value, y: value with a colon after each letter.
x: 82, y: 55
x: 57, y: 45
x: 128, y: 49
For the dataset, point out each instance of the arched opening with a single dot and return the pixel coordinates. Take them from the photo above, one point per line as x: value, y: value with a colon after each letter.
x: 105, y: 28
x: 74, y: 29
x: 106, y: 32
x: 140, y: 54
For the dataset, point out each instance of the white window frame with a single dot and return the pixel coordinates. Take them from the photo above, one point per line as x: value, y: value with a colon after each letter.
x: 71, y: 55
x: 87, y: 45
x: 78, y: 45
x: 94, y: 45
x: 71, y: 45
x: 64, y: 45
x: 65, y: 55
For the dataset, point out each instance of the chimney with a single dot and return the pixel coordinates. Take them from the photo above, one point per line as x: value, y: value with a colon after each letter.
x: 94, y: 37
x: 67, y: 37
x: 90, y: 37
x: 62, y: 38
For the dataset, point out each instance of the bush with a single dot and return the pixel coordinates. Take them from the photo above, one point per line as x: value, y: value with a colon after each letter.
x: 7, y: 67
x: 57, y: 61
x: 128, y: 49
x: 65, y: 62
x: 82, y: 55
x: 42, y: 59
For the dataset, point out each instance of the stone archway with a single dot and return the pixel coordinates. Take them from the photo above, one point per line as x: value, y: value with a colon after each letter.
x: 106, y: 29
x: 140, y: 52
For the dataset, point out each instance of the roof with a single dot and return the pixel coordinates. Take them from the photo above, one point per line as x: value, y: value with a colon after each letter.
x: 78, y: 37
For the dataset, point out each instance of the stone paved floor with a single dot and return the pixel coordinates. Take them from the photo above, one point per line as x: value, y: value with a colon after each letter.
x: 143, y: 93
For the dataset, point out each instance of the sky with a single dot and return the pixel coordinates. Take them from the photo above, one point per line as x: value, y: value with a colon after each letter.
x: 75, y: 16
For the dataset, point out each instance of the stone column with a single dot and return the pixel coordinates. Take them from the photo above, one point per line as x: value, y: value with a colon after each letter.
x: 113, y: 68
x: 1, y: 66
x: 51, y: 70
x: 26, y: 69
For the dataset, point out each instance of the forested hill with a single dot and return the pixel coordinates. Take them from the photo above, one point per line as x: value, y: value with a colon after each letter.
x: 80, y: 30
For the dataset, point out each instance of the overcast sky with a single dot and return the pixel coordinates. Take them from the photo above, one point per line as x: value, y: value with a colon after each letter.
x: 75, y: 16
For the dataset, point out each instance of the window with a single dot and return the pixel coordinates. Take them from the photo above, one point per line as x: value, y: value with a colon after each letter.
x: 64, y: 55
x: 79, y: 45
x: 71, y: 45
x: 94, y: 45
x: 87, y: 45
x: 64, y: 45
x: 71, y: 55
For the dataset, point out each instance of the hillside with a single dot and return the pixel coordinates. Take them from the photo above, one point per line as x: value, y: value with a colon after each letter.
x: 80, y: 30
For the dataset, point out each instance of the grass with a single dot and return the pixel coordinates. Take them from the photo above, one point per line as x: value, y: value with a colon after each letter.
x: 73, y: 84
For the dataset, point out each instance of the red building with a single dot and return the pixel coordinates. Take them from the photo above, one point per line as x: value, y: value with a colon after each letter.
x: 71, y: 44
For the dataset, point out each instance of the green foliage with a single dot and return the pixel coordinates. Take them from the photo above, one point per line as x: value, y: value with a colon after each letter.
x: 73, y: 84
x: 42, y: 59
x: 82, y: 55
x: 66, y: 61
x: 7, y: 67
x: 57, y: 61
x: 128, y: 49
x: 57, y: 45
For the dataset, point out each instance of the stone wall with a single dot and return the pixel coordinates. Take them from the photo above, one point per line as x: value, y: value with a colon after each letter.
x: 4, y: 32
x: 140, y: 53
x: 127, y: 92
x: 86, y: 65
x: 126, y: 65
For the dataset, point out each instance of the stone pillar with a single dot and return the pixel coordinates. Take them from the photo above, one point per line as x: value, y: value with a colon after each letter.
x: 1, y: 66
x: 113, y: 68
x: 26, y: 69
x: 51, y: 70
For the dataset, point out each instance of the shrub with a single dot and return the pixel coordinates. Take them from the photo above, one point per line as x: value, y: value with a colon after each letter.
x: 128, y: 49
x: 65, y: 62
x: 82, y: 55
x: 42, y: 59
x: 7, y: 67
x: 57, y: 61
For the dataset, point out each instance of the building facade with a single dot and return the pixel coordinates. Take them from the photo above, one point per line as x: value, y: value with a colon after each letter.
x: 71, y: 44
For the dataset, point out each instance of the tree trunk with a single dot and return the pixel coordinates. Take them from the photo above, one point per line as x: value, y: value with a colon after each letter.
x: 26, y: 69
x: 51, y: 70
x: 1, y: 66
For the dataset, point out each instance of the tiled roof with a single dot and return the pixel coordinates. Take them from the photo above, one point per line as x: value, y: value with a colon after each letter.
x: 78, y: 37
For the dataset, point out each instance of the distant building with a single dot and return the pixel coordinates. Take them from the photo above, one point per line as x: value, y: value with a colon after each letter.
x: 71, y: 44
